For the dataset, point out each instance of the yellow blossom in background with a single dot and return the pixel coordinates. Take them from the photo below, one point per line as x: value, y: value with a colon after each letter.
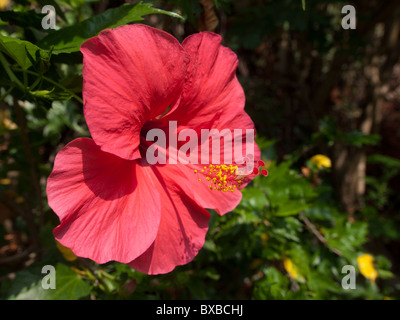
x: 3, y: 4
x: 264, y: 238
x: 366, y: 266
x: 321, y: 161
x: 292, y: 270
x: 19, y: 200
x: 5, y: 181
x: 5, y: 121
x: 66, y: 252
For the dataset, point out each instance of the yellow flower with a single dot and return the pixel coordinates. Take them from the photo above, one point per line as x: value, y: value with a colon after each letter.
x: 321, y: 161
x: 19, y: 200
x: 366, y: 266
x: 5, y: 181
x: 5, y: 120
x: 3, y: 4
x: 66, y: 252
x: 292, y: 270
x: 264, y: 238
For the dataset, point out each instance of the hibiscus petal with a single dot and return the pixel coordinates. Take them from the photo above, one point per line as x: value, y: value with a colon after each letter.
x: 131, y: 74
x: 211, y: 90
x: 213, y: 99
x: 242, y: 148
x: 105, y: 213
x: 182, y: 231
x: 180, y: 170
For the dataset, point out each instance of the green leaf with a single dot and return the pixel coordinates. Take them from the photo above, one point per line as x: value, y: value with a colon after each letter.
x: 358, y: 138
x: 24, y: 282
x: 385, y: 274
x: 382, y: 159
x: 21, y: 51
x: 347, y: 237
x: 286, y: 228
x: 69, y: 285
x: 253, y: 198
x: 321, y: 211
x: 70, y: 39
x: 290, y: 208
x: 23, y: 19
x: 273, y: 285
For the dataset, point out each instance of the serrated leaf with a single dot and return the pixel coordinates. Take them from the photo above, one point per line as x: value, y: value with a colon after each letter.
x: 254, y: 198
x: 70, y: 39
x: 346, y: 237
x: 290, y: 208
x: 69, y: 285
x: 21, y: 51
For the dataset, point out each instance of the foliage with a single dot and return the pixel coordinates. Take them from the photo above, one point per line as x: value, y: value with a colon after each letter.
x: 288, y: 239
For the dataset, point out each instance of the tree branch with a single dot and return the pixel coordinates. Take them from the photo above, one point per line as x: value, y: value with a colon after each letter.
x: 318, y: 234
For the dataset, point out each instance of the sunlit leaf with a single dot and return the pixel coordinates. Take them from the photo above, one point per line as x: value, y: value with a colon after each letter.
x: 69, y: 285
x: 69, y: 39
x: 21, y: 51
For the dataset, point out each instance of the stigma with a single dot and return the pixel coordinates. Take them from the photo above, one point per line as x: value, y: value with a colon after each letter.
x: 223, y: 178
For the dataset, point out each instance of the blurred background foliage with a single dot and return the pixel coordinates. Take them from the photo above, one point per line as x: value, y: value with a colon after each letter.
x: 325, y: 102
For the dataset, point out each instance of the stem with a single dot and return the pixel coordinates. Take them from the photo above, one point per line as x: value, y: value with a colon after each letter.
x: 31, y: 159
x: 17, y: 257
x: 319, y: 236
x: 25, y: 79
x: 33, y: 86
x: 6, y: 94
x: 52, y: 82
x: 10, y: 74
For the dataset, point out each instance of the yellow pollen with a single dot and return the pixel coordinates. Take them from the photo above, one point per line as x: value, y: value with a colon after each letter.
x: 222, y: 177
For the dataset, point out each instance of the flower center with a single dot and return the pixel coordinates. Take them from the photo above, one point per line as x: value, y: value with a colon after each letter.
x: 221, y: 177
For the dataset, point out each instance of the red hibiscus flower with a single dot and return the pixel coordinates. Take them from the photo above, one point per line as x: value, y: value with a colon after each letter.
x: 112, y: 203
